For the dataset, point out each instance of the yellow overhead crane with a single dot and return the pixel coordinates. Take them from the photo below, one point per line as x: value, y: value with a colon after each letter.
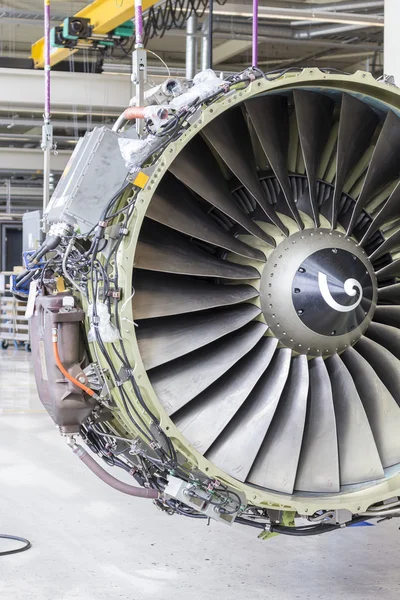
x: 104, y: 15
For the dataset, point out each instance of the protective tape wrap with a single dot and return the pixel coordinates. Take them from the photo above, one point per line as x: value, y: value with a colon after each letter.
x: 135, y: 151
x: 108, y: 331
x: 205, y: 84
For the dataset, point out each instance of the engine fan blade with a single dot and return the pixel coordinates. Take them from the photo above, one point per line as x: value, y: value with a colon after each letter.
x: 390, y: 210
x: 358, y: 455
x: 388, y: 245
x: 389, y: 294
x: 386, y: 336
x: 229, y: 136
x: 390, y: 271
x: 388, y: 315
x: 356, y: 127
x: 161, y: 249
x: 163, y: 295
x: 270, y: 118
x: 314, y: 118
x: 276, y: 464
x: 203, y: 419
x: 385, y: 365
x: 174, y: 206
x: 318, y: 469
x: 197, y: 168
x: 185, y: 378
x: 384, y: 166
x: 163, y: 340
x: 382, y: 410
x: 237, y: 447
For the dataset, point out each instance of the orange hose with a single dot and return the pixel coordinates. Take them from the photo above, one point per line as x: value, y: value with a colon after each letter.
x: 134, y: 112
x: 63, y: 370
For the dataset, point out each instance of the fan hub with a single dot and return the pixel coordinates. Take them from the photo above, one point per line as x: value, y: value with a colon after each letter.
x: 318, y: 292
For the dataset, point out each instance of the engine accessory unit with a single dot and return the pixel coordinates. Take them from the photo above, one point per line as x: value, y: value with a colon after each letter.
x: 59, y: 359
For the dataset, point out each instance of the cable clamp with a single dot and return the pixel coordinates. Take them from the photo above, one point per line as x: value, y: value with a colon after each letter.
x: 124, y: 375
x: 114, y: 294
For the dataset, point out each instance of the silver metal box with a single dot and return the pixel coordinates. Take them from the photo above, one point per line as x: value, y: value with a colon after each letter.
x: 94, y: 173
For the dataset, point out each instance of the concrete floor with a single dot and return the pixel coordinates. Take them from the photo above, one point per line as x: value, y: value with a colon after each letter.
x: 92, y: 543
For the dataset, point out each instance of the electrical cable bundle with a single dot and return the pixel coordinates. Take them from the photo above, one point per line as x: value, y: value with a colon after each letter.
x: 173, y: 14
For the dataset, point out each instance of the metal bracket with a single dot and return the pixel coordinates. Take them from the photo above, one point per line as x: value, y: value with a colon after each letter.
x: 200, y: 500
x: 139, y: 79
x: 94, y: 376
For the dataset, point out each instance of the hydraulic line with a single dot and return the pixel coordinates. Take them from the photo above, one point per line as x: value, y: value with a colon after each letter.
x: 118, y: 485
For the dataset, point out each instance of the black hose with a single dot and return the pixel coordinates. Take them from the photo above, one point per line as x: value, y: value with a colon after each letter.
x: 303, y: 531
x: 50, y: 243
x: 118, y: 485
x: 26, y: 545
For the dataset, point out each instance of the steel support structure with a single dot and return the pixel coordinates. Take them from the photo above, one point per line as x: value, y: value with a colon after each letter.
x: 104, y: 15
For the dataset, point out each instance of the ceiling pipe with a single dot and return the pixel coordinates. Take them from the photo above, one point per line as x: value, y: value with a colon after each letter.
x: 191, y: 46
x: 343, y: 6
x: 154, y: 71
x: 297, y: 24
x: 328, y: 30
x: 205, y: 38
x: 246, y: 28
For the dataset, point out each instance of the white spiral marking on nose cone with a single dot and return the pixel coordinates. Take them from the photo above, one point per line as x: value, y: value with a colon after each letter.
x: 350, y: 287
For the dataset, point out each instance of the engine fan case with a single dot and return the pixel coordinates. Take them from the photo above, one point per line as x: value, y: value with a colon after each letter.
x: 356, y: 499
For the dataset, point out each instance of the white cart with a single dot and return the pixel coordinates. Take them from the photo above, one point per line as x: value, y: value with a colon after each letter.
x: 14, y: 327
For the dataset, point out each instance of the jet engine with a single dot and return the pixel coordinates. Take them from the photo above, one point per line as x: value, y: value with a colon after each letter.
x: 238, y: 267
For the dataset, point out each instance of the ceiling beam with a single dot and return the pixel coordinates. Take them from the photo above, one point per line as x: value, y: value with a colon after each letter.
x: 297, y: 14
x: 229, y: 49
x: 74, y: 92
x: 31, y: 159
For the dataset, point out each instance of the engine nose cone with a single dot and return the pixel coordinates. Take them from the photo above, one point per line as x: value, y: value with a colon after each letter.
x: 318, y: 292
x: 332, y: 292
